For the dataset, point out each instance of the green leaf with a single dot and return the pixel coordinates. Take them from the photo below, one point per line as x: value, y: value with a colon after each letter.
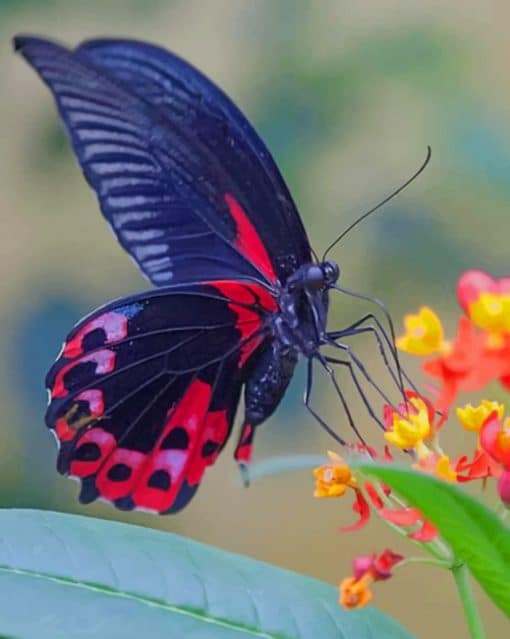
x: 64, y: 576
x: 477, y: 536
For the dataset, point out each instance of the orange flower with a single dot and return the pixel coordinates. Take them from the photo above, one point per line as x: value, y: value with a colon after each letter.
x: 333, y: 479
x: 355, y: 593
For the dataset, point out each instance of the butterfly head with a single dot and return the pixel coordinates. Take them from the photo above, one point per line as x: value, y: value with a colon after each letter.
x: 321, y: 276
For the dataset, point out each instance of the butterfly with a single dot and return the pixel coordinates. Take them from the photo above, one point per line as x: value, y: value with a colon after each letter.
x: 144, y: 392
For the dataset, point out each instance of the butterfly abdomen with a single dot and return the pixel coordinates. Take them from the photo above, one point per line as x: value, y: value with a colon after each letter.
x: 268, y: 383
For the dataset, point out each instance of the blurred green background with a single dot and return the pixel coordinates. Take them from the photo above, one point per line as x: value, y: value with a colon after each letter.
x: 347, y: 96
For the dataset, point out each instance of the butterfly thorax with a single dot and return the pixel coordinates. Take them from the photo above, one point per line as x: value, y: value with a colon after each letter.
x: 301, y: 324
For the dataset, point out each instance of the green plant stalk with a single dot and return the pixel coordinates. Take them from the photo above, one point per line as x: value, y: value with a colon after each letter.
x: 462, y: 580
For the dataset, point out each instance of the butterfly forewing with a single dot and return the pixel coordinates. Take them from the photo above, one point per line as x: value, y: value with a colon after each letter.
x: 181, y: 176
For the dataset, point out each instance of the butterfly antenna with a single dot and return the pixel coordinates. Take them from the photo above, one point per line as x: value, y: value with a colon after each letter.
x: 381, y: 204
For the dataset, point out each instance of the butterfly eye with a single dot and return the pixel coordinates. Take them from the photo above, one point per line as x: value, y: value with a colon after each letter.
x: 331, y: 272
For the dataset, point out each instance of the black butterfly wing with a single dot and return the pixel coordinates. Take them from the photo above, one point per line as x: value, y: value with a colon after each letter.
x: 145, y: 390
x: 188, y: 187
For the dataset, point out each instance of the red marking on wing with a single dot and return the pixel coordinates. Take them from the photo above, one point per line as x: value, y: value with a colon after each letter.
x: 249, y: 319
x: 215, y: 430
x: 105, y: 362
x: 104, y: 441
x: 192, y: 414
x: 244, y: 448
x: 64, y: 432
x: 131, y: 459
x: 248, y: 241
x: 114, y: 325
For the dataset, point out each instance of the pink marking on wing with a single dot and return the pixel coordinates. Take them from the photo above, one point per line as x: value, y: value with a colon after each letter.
x: 248, y: 241
x: 114, y: 325
x: 94, y: 398
x: 172, y: 460
x: 105, y: 362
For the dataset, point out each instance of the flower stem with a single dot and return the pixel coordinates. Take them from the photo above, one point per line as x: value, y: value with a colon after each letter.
x: 502, y: 511
x: 427, y: 561
x: 462, y: 580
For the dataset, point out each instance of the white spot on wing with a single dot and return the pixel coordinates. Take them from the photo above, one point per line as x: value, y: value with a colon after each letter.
x: 143, y: 252
x: 119, y: 219
x: 158, y: 264
x: 142, y: 236
x: 162, y: 277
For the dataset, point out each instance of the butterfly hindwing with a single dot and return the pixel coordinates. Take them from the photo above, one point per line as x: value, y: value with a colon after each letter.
x: 144, y: 393
x: 186, y: 184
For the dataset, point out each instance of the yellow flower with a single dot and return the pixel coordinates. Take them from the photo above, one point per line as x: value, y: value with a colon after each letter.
x: 473, y: 417
x: 491, y: 311
x: 410, y: 430
x: 333, y: 479
x: 423, y: 333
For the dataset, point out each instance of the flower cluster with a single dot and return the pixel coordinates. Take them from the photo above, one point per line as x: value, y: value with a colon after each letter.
x: 480, y: 351
x: 477, y: 355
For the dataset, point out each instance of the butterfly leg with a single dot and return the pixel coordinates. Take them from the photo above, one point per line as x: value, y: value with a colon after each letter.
x: 390, y: 340
x: 381, y: 338
x: 330, y: 371
x: 312, y: 411
x: 353, y: 358
x: 383, y: 343
x: 359, y: 388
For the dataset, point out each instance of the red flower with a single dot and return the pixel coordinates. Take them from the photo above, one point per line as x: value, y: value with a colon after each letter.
x: 495, y: 439
x: 355, y: 591
x: 379, y: 566
x: 480, y: 467
x: 475, y: 359
x: 504, y: 488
